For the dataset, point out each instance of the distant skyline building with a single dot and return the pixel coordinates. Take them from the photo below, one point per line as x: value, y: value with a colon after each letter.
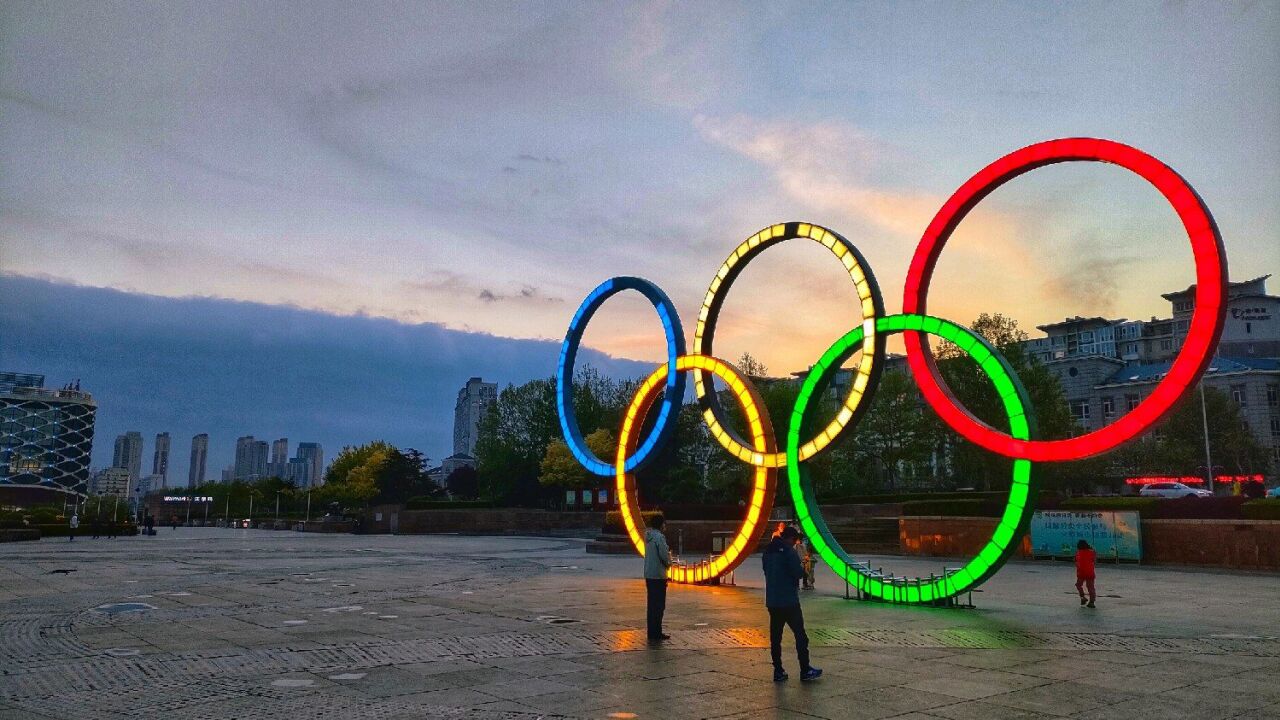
x: 46, y: 436
x: 251, y: 458
x: 160, y: 459
x: 279, y: 466
x: 306, y: 470
x: 111, y: 482
x: 474, y: 400
x: 128, y: 454
x: 199, y: 459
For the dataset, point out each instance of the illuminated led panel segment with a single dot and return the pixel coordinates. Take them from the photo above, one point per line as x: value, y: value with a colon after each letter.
x: 762, y: 489
x: 674, y: 386
x: 1017, y: 512
x: 870, y: 306
x: 1206, y: 319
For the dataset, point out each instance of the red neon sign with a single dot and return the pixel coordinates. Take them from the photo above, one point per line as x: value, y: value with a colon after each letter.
x: 1190, y: 479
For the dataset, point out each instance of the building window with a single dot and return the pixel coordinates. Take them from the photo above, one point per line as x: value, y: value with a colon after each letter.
x: 1166, y: 344
x: 1080, y: 410
x: 1238, y: 394
x: 1275, y: 427
x: 1130, y: 402
x: 1273, y: 395
x: 1108, y: 407
x: 1248, y: 328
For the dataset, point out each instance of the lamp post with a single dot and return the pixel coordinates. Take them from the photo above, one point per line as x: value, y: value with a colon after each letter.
x: 188, y: 510
x: 226, y: 518
x: 1208, y: 459
x: 308, y: 504
x: 277, y: 505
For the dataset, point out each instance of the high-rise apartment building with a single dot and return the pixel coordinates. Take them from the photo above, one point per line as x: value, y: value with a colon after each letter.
x: 199, y: 459
x: 279, y: 466
x: 128, y: 454
x: 160, y: 460
x: 251, y: 458
x: 307, y: 468
x: 474, y: 400
x: 46, y: 436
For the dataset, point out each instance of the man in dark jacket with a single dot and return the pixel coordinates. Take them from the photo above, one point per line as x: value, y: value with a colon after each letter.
x: 657, y: 558
x: 782, y: 573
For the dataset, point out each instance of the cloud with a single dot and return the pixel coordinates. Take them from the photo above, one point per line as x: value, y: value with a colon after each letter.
x: 525, y: 157
x: 234, y: 368
x: 832, y: 167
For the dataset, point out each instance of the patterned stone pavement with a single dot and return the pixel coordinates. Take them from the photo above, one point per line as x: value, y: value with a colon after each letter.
x: 208, y: 623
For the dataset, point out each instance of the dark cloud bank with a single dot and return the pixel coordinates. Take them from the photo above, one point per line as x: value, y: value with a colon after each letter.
x: 233, y: 368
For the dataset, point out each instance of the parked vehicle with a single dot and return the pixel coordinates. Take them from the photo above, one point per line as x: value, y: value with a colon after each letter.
x: 1274, y: 492
x: 1172, y: 490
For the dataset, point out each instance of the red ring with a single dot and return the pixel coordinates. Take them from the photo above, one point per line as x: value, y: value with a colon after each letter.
x: 1206, y: 320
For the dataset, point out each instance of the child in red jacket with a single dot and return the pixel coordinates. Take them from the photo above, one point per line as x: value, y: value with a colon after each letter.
x: 1086, y: 558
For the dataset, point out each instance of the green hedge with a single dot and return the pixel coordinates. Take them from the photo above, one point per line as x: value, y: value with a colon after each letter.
x: 422, y: 503
x: 957, y: 507
x: 1143, y: 505
x: 613, y: 524
x: 1268, y: 509
x: 910, y: 497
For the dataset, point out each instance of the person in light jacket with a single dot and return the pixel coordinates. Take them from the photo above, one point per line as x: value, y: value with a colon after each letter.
x: 657, y: 558
x: 782, y: 573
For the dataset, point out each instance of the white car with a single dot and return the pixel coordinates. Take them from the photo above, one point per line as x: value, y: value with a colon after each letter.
x: 1172, y: 490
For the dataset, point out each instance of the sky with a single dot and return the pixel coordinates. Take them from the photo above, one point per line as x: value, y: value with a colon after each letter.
x: 203, y: 365
x: 479, y: 167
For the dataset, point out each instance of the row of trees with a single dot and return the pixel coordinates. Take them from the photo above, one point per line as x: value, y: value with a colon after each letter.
x: 374, y: 473
x: 898, y: 445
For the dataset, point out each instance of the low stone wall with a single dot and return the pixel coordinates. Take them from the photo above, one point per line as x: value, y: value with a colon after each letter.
x: 1243, y: 544
x: 19, y: 534
x: 1237, y: 544
x: 693, y: 536
x: 497, y: 521
x: 949, y: 536
x: 340, y: 526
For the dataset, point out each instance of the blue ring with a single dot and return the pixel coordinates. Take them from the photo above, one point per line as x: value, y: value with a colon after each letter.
x: 671, y: 402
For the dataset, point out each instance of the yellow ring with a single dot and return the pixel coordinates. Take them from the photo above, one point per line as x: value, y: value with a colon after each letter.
x: 761, y: 491
x: 872, y: 307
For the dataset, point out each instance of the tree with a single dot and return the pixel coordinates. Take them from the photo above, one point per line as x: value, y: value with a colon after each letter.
x: 751, y: 367
x: 351, y: 457
x: 1175, y: 446
x: 974, y: 466
x: 560, y: 469
x: 895, y: 440
x: 463, y: 483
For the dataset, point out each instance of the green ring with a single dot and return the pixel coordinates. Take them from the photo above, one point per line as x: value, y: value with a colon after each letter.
x: 1017, y: 513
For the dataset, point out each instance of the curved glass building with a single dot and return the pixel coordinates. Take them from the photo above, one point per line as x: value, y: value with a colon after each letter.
x: 46, y: 435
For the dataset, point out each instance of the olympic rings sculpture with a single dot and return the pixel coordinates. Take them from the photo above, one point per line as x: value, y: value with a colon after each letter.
x: 760, y: 450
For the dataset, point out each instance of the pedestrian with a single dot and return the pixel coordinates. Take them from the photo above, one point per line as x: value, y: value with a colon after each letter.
x: 173, y: 520
x: 1086, y: 559
x: 657, y: 558
x: 806, y: 561
x: 782, y: 574
x: 149, y: 523
x: 71, y: 530
x: 96, y: 526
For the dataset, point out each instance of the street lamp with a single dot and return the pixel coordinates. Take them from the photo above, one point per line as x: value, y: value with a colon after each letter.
x: 1204, y: 419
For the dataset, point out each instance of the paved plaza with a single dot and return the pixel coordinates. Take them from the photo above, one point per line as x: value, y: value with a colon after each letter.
x: 210, y: 623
